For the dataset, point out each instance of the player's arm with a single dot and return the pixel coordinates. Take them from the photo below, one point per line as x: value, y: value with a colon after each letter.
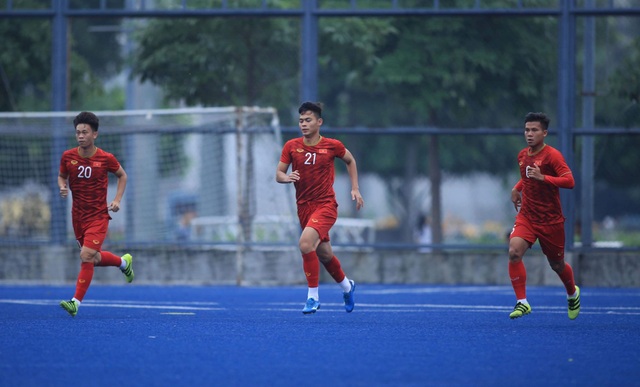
x: 564, y: 181
x: 516, y: 197
x: 352, y: 169
x: 563, y: 178
x: 62, y: 184
x: 283, y: 177
x: 122, y: 184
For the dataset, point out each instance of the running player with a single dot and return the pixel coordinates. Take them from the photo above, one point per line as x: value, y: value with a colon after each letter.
x: 86, y: 169
x: 312, y: 159
x: 536, y: 197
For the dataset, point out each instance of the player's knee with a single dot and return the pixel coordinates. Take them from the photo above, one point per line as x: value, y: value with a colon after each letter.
x: 305, y: 246
x: 325, y: 257
x: 515, y: 255
x: 89, y: 257
x: 557, y: 266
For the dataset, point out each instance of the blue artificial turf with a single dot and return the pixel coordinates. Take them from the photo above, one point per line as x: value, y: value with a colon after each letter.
x: 398, y: 335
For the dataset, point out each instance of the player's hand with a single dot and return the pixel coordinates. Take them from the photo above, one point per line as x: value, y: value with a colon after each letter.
x: 355, y: 195
x: 516, y: 198
x: 64, y: 191
x: 294, y: 176
x: 534, y: 173
x: 114, y: 206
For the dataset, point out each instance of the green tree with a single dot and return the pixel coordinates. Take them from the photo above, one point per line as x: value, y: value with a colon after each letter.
x: 447, y: 72
x: 25, y: 65
x: 25, y: 83
x: 220, y: 62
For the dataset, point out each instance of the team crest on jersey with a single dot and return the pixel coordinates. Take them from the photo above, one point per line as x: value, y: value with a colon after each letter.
x: 74, y: 162
x: 299, y: 150
x: 96, y: 242
x: 520, y: 163
x: 322, y: 151
x: 314, y: 220
x: 97, y: 164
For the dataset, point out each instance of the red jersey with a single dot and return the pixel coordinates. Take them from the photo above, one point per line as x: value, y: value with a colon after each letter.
x: 316, y: 167
x: 541, y: 199
x: 88, y: 182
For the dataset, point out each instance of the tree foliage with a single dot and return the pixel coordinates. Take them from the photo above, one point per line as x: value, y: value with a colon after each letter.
x: 459, y: 73
x: 618, y: 105
x: 221, y: 62
x: 25, y: 64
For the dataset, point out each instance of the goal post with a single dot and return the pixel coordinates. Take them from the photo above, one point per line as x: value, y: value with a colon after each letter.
x: 184, y: 165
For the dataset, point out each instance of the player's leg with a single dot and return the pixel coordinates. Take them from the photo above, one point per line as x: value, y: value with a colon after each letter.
x: 90, y: 237
x: 88, y: 258
x: 552, y: 244
x: 124, y: 263
x: 334, y: 268
x: 308, y: 242
x: 323, y: 218
x: 520, y: 240
x: 106, y: 258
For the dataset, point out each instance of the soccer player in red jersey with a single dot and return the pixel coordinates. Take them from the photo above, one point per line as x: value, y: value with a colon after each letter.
x: 536, y: 197
x: 86, y: 169
x: 312, y: 159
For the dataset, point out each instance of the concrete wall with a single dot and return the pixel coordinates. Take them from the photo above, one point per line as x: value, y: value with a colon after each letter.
x: 208, y: 266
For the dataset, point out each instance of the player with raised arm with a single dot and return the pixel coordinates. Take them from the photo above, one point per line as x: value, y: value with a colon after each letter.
x: 536, y: 197
x: 86, y: 169
x: 312, y: 172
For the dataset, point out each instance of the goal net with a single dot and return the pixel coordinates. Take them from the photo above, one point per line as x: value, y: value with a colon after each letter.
x: 195, y: 176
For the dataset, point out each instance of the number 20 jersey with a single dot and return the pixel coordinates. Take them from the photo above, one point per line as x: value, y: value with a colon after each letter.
x: 88, y: 182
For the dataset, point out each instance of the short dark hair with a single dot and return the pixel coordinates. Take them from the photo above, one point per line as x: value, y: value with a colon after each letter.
x: 538, y: 117
x: 315, y: 107
x: 87, y: 118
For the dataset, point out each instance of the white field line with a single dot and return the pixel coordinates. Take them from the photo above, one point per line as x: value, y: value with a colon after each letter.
x: 291, y: 306
x: 114, y: 304
x: 397, y: 308
x: 494, y: 290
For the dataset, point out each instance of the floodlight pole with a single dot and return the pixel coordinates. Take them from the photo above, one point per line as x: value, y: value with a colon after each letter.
x: 588, y: 123
x: 58, y: 225
x: 309, y: 65
x: 566, y: 108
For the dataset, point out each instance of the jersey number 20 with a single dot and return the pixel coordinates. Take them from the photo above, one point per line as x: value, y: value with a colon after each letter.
x: 84, y: 172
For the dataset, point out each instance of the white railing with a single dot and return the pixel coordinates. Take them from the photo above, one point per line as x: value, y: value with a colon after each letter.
x: 277, y: 229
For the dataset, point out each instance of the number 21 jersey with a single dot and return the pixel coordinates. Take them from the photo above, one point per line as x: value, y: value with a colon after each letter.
x: 316, y: 166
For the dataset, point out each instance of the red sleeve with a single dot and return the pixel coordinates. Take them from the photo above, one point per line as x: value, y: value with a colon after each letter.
x: 564, y: 181
x: 112, y: 163
x: 63, y: 164
x: 285, y: 156
x: 518, y: 186
x: 341, y: 150
x: 564, y: 177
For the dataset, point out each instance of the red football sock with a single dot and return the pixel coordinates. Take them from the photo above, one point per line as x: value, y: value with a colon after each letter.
x: 84, y: 280
x: 311, y: 266
x: 518, y: 274
x: 567, y: 279
x: 334, y: 269
x: 109, y: 259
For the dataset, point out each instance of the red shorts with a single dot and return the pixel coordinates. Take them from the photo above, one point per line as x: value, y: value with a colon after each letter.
x: 319, y: 216
x: 92, y: 233
x: 550, y: 236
